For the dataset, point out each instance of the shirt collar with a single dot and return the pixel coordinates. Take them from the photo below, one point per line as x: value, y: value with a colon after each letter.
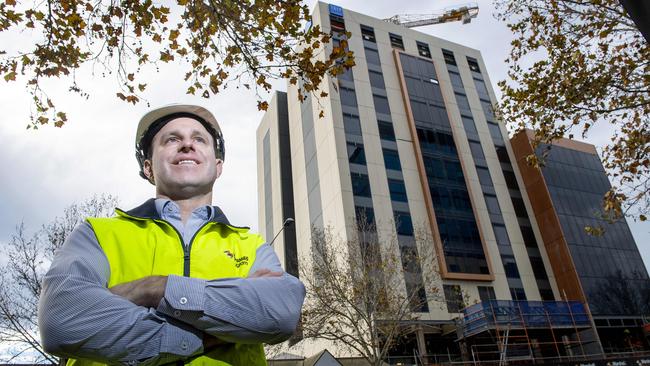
x: 148, y: 210
x: 166, y: 207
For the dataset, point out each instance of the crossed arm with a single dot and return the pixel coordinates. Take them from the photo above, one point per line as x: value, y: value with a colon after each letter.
x: 159, y: 319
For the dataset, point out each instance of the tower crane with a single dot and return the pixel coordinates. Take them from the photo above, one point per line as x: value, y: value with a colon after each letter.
x: 463, y: 13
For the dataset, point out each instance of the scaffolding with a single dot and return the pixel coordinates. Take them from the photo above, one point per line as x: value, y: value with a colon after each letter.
x: 503, y: 331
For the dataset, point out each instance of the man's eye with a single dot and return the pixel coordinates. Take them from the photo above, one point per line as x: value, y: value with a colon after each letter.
x: 199, y: 139
x: 172, y: 139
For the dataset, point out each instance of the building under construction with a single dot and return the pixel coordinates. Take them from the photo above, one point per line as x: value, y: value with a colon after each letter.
x: 409, y: 139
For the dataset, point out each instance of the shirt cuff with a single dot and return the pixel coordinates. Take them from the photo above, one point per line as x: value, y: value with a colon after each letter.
x: 182, y: 294
x: 182, y: 340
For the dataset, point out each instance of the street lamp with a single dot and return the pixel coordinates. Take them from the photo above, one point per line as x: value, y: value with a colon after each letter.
x: 288, y: 221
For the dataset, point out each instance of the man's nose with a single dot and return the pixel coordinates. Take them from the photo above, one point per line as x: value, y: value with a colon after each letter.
x: 187, y: 144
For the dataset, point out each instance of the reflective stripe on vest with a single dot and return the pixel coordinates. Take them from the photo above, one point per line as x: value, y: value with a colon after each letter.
x: 138, y: 247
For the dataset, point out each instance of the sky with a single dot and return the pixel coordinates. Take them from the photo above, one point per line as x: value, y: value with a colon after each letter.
x: 47, y: 170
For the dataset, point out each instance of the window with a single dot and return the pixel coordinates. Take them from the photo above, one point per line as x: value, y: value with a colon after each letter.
x: 492, y: 204
x: 351, y: 124
x: 372, y: 56
x: 360, y: 185
x: 476, y: 149
x: 365, y: 217
x: 510, y: 266
x: 538, y: 268
x: 481, y: 88
x: 356, y: 154
x: 396, y: 41
x: 423, y: 49
x: 517, y: 294
x: 391, y: 159
x: 469, y: 125
x: 484, y: 176
x: 449, y: 57
x: 462, y: 101
x: 456, y: 81
x: 511, y: 180
x: 547, y: 294
x: 495, y: 132
x: 454, y: 298
x: 376, y: 79
x: 529, y: 236
x: 348, y: 97
x: 403, y: 223
x: 381, y: 104
x: 487, y: 110
x: 337, y: 23
x: 473, y: 64
x: 386, y: 131
x: 397, y: 190
x: 520, y: 207
x: 486, y: 293
x: 368, y: 33
x: 502, y: 154
x: 501, y: 234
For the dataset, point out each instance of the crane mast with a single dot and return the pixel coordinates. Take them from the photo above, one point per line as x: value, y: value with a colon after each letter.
x: 464, y: 13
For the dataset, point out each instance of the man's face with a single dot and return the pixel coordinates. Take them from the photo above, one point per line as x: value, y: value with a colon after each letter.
x: 183, y: 163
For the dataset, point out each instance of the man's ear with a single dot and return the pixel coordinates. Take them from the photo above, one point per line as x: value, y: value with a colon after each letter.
x: 146, y: 168
x: 219, y: 167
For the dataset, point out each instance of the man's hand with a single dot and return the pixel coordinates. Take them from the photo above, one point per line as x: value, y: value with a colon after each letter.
x: 265, y: 273
x: 147, y: 291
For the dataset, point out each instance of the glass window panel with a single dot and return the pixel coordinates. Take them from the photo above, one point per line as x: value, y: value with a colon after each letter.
x: 502, y: 154
x: 510, y: 266
x: 476, y: 149
x: 454, y: 171
x: 372, y: 57
x: 360, y: 185
x: 529, y: 236
x: 481, y: 88
x: 368, y: 33
x: 492, y: 204
x: 381, y: 104
x: 351, y: 124
x: 455, y: 79
x: 520, y: 207
x: 403, y: 223
x: 365, y: 216
x: 414, y: 86
x: 469, y: 125
x: 484, y: 176
x: 488, y: 110
x: 348, y: 97
x: 454, y: 298
x: 391, y: 159
x: 386, y: 131
x: 501, y: 234
x: 538, y: 268
x: 473, y: 64
x: 356, y: 154
x: 511, y: 180
x: 463, y: 103
x: 376, y: 79
x: 449, y: 57
x: 495, y: 132
x: 518, y: 294
x: 397, y: 190
x: 420, y: 111
x: 486, y: 293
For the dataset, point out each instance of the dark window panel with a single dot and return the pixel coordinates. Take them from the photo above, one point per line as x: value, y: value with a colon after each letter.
x: 423, y: 49
x: 502, y: 154
x: 456, y: 79
x: 368, y: 33
x: 391, y: 159
x: 351, y: 124
x: 538, y: 268
x: 501, y: 234
x: 396, y: 41
x: 403, y: 223
x: 468, y: 123
x: 484, y: 176
x: 365, y: 217
x: 356, y: 154
x: 547, y: 294
x: 476, y: 149
x: 473, y: 64
x: 486, y: 293
x: 492, y: 204
x: 488, y: 110
x: 360, y: 185
x: 372, y: 57
x: 454, y: 298
x: 386, y: 131
x: 518, y: 294
x: 511, y: 180
x: 463, y: 103
x: 381, y: 104
x: 397, y: 190
x: 449, y: 57
x: 529, y: 236
x: 481, y: 89
x: 337, y: 24
x: 510, y: 266
x: 520, y: 207
x: 495, y: 132
x: 348, y: 97
x: 376, y: 79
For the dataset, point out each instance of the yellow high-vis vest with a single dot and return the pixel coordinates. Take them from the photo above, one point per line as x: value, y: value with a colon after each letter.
x: 137, y: 247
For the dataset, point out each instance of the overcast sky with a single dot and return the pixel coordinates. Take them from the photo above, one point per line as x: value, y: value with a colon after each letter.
x: 48, y: 169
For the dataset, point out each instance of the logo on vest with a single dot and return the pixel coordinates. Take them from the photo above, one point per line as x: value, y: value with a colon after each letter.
x: 241, y: 261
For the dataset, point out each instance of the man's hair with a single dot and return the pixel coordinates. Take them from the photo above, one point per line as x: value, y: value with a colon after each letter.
x: 143, y: 149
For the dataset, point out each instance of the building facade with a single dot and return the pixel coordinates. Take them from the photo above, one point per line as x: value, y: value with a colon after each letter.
x: 410, y: 142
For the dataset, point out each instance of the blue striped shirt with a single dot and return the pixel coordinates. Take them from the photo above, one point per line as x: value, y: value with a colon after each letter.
x: 79, y: 318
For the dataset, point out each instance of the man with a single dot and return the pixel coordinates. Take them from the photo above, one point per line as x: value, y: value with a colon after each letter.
x: 171, y: 280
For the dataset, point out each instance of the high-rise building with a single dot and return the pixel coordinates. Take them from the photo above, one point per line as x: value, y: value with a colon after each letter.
x: 409, y: 141
x: 605, y: 270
